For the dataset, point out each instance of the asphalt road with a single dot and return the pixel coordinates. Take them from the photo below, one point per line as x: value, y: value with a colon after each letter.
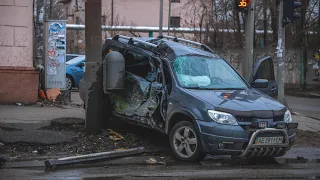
x: 305, y: 106
x: 212, y: 169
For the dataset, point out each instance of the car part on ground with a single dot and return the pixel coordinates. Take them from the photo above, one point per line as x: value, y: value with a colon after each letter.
x: 54, y: 163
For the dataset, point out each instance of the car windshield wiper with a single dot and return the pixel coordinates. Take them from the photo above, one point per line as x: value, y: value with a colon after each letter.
x: 230, y: 88
x: 200, y: 88
x: 206, y: 88
x: 193, y: 87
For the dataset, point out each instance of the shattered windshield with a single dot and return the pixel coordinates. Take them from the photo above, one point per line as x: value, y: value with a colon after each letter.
x: 199, y: 72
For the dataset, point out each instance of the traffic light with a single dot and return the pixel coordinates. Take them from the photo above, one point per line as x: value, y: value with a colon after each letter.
x: 289, y: 11
x: 241, y: 5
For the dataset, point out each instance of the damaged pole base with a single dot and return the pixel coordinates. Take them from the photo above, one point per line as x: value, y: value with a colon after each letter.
x: 54, y: 163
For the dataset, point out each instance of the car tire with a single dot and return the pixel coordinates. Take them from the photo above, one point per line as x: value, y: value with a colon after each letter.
x: 185, y: 142
x: 69, y: 82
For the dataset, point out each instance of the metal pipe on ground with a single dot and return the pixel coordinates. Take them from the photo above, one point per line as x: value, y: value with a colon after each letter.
x: 54, y: 163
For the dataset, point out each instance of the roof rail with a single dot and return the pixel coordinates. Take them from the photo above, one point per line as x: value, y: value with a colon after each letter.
x: 132, y: 40
x: 205, y: 47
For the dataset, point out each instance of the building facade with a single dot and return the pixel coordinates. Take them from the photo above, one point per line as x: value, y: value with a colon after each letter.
x: 122, y: 13
x: 18, y: 77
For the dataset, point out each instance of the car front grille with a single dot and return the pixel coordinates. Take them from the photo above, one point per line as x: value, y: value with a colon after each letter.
x: 251, y: 119
x: 278, y: 118
x: 244, y: 119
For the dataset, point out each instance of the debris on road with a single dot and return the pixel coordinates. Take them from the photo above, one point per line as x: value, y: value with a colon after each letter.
x: 307, y: 139
x: 114, y: 135
x: 151, y: 161
x: 52, y: 94
x: 2, y: 161
x: 54, y: 163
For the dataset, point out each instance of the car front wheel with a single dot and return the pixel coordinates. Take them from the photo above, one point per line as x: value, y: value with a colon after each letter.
x: 185, y: 142
x: 68, y: 83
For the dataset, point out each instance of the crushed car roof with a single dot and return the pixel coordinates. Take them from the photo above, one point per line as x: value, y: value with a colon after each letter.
x: 183, y: 49
x: 175, y: 49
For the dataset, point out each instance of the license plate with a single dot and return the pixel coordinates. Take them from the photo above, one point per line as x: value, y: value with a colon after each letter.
x: 269, y: 140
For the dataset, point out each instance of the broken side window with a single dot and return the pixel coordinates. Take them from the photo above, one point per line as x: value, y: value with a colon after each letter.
x: 168, y: 78
x: 137, y: 64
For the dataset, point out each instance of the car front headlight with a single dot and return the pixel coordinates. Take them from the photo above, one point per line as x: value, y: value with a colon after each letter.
x: 287, y: 117
x: 222, y: 117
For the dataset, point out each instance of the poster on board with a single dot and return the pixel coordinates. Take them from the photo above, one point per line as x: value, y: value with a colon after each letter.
x: 55, y: 54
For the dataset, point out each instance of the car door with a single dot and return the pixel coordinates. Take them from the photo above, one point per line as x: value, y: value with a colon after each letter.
x: 264, y: 69
x: 78, y: 71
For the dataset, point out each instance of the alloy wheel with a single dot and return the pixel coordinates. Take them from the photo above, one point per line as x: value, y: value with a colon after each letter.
x: 185, y: 142
x: 68, y: 83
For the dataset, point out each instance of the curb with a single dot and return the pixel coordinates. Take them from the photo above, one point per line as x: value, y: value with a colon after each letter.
x: 303, y: 94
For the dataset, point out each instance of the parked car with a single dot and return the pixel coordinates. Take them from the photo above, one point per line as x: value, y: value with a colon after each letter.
x: 198, y: 99
x: 71, y: 56
x: 74, y: 71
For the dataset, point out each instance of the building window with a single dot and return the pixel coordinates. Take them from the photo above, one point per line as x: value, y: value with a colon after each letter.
x: 175, y: 21
x: 77, y: 20
x: 175, y: 1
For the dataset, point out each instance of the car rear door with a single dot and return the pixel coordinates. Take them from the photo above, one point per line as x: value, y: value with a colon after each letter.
x: 264, y: 69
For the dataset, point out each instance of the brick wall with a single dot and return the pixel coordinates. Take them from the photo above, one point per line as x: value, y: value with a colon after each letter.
x: 18, y: 77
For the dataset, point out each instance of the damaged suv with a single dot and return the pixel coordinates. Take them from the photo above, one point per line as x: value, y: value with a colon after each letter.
x: 185, y: 90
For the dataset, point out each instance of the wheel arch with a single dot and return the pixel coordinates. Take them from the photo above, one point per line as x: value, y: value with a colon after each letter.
x: 177, y: 116
x: 72, y: 79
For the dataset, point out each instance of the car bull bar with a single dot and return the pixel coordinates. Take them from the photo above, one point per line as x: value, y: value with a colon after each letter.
x: 266, y: 149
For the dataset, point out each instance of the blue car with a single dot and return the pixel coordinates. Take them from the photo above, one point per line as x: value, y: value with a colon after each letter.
x: 74, y: 71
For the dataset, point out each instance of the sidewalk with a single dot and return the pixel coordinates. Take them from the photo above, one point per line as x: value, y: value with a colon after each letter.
x: 34, y: 117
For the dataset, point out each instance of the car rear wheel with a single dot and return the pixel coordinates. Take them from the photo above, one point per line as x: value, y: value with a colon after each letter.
x: 185, y: 142
x: 69, y: 83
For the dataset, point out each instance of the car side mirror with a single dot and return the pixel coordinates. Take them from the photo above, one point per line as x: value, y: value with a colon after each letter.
x: 81, y: 65
x: 260, y: 83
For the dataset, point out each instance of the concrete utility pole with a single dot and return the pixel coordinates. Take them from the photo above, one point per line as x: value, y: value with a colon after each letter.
x: 280, y: 55
x: 93, y: 72
x: 161, y: 17
x: 249, y: 40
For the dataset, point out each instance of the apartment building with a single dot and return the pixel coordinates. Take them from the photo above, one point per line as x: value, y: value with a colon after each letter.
x: 122, y: 13
x: 18, y: 77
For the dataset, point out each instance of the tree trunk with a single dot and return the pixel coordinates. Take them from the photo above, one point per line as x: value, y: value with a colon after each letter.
x: 238, y: 25
x: 274, y: 18
x: 265, y: 29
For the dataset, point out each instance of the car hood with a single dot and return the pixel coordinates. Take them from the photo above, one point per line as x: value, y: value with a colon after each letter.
x: 248, y: 103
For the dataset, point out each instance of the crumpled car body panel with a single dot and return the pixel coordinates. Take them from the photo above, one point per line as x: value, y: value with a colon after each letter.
x: 138, y: 101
